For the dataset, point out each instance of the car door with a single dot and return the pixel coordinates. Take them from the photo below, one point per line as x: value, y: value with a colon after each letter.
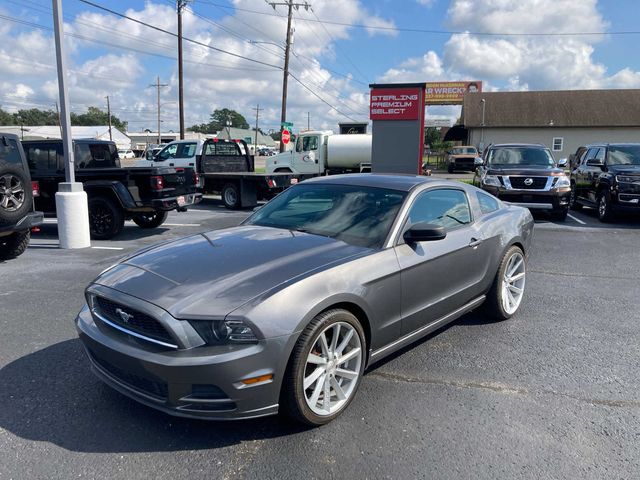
x: 46, y: 164
x: 593, y: 172
x: 440, y: 276
x: 582, y: 183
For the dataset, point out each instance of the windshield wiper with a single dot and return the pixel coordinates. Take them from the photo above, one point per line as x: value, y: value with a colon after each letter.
x: 311, y: 232
x: 453, y: 218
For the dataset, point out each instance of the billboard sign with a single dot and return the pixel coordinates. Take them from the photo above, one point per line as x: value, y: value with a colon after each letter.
x: 437, y: 122
x: 395, y: 104
x: 449, y: 93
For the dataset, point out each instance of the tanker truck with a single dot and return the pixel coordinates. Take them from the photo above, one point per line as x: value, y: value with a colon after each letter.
x: 321, y: 152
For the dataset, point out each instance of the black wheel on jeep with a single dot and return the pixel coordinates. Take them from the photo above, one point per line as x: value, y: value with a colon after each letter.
x: 573, y: 199
x: 15, y: 194
x: 105, y: 218
x: 150, y: 220
x: 231, y: 196
x: 14, y: 245
x: 605, y: 212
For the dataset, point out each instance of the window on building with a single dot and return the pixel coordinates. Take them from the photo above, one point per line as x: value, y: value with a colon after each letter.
x: 558, y: 144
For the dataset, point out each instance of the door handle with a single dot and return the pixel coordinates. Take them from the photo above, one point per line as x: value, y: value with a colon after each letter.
x: 171, y: 164
x: 475, y: 242
x: 191, y: 164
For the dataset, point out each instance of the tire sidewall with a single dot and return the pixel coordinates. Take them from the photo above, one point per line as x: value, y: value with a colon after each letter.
x: 9, y: 218
x: 496, y: 293
x: 223, y: 194
x: 298, y: 364
x: 116, y: 214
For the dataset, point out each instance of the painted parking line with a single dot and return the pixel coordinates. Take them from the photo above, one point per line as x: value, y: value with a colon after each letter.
x: 47, y: 245
x: 576, y: 219
x: 181, y: 224
x: 108, y: 248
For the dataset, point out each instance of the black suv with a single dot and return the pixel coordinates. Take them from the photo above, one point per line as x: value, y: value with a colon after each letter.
x: 16, y: 199
x: 526, y: 175
x: 607, y: 177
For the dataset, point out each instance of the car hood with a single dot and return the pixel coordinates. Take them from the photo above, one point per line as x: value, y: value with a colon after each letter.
x: 462, y: 155
x: 213, y: 273
x: 625, y: 169
x: 525, y: 171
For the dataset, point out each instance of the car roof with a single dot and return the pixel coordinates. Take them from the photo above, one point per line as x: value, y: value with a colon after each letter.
x: 12, y: 136
x: 75, y: 140
x: 401, y: 182
x: 614, y: 144
x: 530, y: 145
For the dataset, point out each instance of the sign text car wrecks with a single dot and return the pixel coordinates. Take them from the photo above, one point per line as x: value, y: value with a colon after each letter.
x: 449, y: 93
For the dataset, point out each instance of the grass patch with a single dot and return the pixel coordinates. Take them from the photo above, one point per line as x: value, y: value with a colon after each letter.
x: 260, y: 169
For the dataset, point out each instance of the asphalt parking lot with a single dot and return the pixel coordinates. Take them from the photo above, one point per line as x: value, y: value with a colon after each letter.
x: 552, y: 393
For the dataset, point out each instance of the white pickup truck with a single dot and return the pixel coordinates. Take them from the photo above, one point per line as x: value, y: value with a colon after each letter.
x: 320, y: 152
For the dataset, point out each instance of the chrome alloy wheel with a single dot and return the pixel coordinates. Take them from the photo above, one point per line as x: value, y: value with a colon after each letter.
x: 332, y: 369
x: 12, y: 193
x: 602, y: 206
x: 513, y: 283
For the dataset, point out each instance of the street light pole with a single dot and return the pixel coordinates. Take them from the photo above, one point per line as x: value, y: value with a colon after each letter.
x: 482, y: 131
x: 180, y: 5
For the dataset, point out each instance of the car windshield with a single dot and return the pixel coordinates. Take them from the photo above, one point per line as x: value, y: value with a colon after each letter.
x: 464, y: 151
x: 521, y: 157
x: 353, y: 214
x: 624, y: 155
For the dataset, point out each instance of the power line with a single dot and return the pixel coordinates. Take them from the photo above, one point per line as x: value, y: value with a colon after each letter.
x: 319, y: 97
x: 196, y: 42
x: 435, y: 32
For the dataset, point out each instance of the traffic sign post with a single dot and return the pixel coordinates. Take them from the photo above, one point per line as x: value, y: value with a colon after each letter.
x: 286, y: 136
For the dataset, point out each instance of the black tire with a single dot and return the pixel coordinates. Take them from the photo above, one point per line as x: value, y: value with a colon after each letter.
x: 293, y: 398
x: 450, y: 168
x: 493, y: 305
x: 573, y: 199
x: 14, y: 245
x: 282, y: 170
x: 605, y: 212
x: 16, y: 195
x: 560, y: 214
x: 106, y: 219
x: 231, y: 196
x: 151, y: 220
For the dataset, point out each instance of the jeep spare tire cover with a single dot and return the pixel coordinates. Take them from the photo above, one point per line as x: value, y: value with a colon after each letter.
x: 16, y: 196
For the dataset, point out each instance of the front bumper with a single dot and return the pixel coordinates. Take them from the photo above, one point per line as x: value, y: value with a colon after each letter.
x: 202, y: 382
x: 555, y: 199
x: 180, y: 201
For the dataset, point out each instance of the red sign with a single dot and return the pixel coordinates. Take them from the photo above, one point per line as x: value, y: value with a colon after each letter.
x: 286, y: 136
x: 395, y: 104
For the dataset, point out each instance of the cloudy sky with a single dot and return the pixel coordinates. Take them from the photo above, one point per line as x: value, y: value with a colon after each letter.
x: 340, y: 47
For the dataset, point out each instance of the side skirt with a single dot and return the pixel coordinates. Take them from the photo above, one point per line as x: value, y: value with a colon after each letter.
x: 402, y: 342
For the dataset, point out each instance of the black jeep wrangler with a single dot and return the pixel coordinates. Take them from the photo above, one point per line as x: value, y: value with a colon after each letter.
x: 16, y: 199
x: 607, y: 177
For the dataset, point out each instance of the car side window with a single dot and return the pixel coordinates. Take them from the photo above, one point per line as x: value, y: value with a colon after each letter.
x: 169, y: 152
x: 600, y: 155
x: 82, y: 155
x: 487, y: 203
x: 43, y: 157
x: 591, y: 153
x: 446, y: 207
x: 186, y: 150
x: 9, y: 153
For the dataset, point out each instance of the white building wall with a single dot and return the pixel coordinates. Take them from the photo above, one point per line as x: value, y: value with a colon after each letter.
x: 572, y: 138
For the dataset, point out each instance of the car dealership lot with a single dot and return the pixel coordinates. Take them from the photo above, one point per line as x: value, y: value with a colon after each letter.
x: 554, y: 392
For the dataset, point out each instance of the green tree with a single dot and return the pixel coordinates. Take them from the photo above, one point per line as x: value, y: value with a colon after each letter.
x: 6, y: 118
x: 35, y: 117
x: 94, y: 116
x: 432, y: 137
x: 218, y: 121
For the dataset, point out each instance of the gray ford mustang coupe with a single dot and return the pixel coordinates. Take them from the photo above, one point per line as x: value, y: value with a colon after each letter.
x: 287, y: 310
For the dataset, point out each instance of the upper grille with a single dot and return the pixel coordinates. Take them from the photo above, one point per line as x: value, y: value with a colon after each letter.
x: 136, y: 321
x: 521, y: 182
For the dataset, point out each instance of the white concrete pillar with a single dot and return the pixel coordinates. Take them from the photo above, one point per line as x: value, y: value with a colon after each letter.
x: 73, y: 216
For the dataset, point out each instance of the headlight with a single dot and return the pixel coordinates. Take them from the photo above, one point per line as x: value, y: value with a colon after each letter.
x: 492, y: 180
x: 626, y: 179
x: 221, y: 332
x: 563, y: 181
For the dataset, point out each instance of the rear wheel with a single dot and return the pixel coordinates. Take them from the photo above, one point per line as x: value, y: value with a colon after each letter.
x: 150, y: 220
x: 231, y: 196
x: 605, y: 212
x: 105, y: 218
x: 14, y: 245
x: 15, y: 194
x: 505, y: 296
x: 325, y: 369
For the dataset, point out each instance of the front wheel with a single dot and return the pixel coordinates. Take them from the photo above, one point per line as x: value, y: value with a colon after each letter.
x: 573, y: 199
x: 505, y: 296
x: 605, y: 212
x: 326, y: 366
x: 14, y: 245
x: 150, y: 220
x: 231, y: 196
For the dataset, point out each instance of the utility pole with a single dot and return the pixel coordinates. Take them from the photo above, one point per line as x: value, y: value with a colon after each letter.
x: 109, y: 115
x: 158, y: 85
x: 255, y: 144
x: 308, y: 120
x: 181, y: 4
x: 59, y: 121
x: 290, y: 4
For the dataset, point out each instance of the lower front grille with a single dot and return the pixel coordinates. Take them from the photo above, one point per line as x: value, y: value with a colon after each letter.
x: 531, y: 183
x: 515, y: 198
x: 156, y: 389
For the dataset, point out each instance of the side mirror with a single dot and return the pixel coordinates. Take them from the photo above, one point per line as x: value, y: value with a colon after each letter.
x: 478, y: 161
x: 149, y: 155
x: 424, y: 232
x: 562, y: 163
x: 594, y: 162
